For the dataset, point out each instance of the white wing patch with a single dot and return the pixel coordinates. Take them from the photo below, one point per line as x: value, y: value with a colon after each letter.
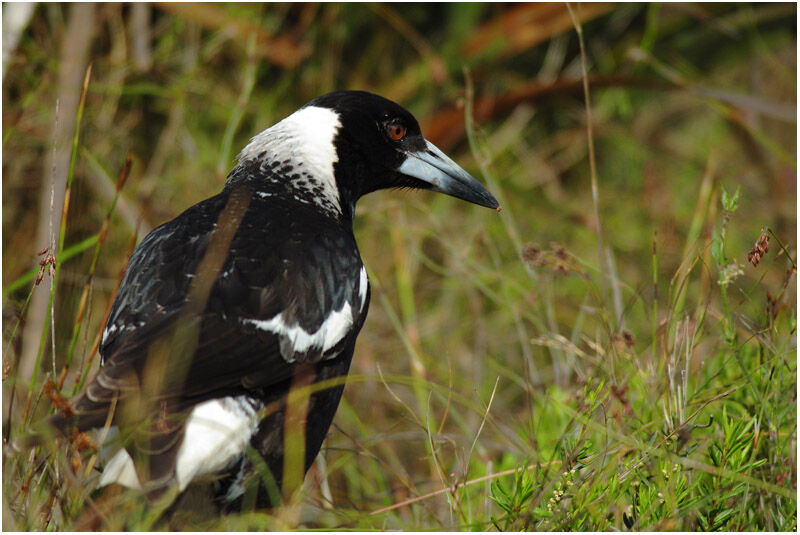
x: 217, y: 433
x: 120, y: 470
x: 363, y: 286
x: 335, y: 327
x: 305, y: 137
x: 108, y: 331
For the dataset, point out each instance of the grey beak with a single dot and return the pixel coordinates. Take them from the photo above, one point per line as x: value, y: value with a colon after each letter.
x: 433, y: 167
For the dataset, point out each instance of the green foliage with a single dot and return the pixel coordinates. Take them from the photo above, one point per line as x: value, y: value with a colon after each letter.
x: 506, y: 377
x: 513, y: 501
x: 721, y: 496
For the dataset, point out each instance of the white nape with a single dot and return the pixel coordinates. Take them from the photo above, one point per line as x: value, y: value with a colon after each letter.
x: 307, y: 136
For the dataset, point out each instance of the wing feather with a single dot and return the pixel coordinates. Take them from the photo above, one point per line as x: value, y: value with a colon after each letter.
x: 284, y: 262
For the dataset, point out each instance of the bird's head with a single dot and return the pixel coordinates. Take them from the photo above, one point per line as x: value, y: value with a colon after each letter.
x: 345, y: 144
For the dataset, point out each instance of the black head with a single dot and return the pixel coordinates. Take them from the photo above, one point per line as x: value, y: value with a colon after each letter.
x: 358, y: 142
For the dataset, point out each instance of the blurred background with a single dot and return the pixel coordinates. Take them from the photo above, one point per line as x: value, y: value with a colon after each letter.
x: 606, y: 346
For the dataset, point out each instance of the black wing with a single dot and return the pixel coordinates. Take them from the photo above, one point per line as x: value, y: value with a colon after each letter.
x: 291, y: 289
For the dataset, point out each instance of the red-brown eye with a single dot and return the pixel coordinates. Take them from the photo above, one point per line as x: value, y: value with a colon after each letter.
x: 396, y: 131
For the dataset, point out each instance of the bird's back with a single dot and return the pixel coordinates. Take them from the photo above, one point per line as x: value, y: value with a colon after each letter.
x: 290, y: 290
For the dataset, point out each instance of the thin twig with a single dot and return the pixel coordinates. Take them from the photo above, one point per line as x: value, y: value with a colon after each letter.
x: 782, y: 247
x: 483, y: 420
x: 61, y: 232
x: 592, y: 161
x: 75, y: 46
x: 88, y: 285
x: 457, y: 486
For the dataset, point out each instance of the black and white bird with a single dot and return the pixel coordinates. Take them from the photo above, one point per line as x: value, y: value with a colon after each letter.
x: 245, y: 294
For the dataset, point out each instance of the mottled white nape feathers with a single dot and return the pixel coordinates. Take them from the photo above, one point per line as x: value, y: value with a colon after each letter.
x: 303, y: 146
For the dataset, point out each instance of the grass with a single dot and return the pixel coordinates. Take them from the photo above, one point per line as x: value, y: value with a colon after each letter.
x: 513, y: 373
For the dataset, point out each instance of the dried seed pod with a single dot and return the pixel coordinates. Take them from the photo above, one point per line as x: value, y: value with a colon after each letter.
x: 759, y: 249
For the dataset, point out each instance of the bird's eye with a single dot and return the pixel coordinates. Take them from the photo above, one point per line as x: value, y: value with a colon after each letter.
x: 395, y: 131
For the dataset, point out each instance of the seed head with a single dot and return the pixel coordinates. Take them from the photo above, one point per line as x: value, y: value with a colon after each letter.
x: 759, y: 249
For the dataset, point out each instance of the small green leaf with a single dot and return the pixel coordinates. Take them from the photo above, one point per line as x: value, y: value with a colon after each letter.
x: 731, y: 203
x: 723, y: 517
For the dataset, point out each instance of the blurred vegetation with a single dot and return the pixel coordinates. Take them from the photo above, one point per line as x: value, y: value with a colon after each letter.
x: 511, y: 375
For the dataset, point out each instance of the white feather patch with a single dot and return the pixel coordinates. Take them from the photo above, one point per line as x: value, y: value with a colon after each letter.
x: 363, y: 286
x: 335, y: 327
x: 217, y: 433
x: 108, y: 331
x: 307, y: 137
x: 120, y: 470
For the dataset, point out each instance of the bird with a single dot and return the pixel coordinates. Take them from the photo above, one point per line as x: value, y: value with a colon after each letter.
x: 234, y: 325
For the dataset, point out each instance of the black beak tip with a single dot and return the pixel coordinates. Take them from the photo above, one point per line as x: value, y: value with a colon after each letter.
x: 487, y: 200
